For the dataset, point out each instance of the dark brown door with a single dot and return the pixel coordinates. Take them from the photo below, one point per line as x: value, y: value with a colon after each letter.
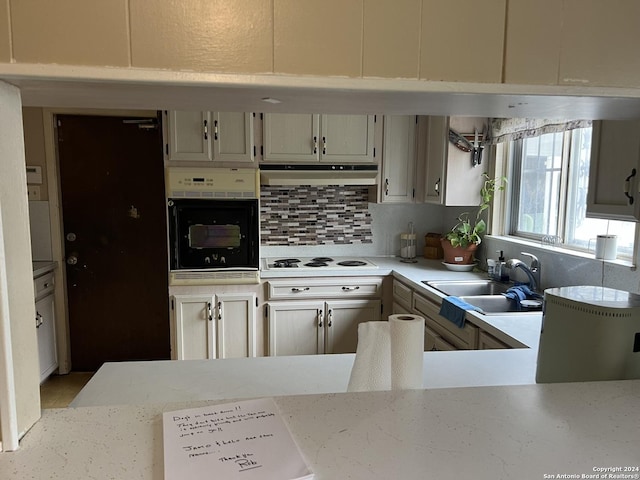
x: 113, y: 206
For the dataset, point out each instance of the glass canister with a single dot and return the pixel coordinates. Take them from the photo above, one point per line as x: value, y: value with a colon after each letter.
x: 408, y: 246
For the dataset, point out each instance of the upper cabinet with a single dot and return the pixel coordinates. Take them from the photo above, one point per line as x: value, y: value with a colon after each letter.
x: 450, y: 178
x: 397, y: 183
x: 218, y: 137
x: 614, y: 173
x: 572, y: 42
x: 310, y: 138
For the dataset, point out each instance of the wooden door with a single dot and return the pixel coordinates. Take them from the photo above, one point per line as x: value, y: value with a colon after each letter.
x: 291, y: 138
x: 343, y: 318
x: 190, y: 136
x: 399, y: 159
x: 195, y: 327
x: 346, y: 138
x: 236, y: 317
x: 296, y: 328
x: 114, y: 215
x: 233, y: 137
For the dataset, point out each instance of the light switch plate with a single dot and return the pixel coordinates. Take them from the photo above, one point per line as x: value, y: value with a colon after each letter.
x: 33, y: 192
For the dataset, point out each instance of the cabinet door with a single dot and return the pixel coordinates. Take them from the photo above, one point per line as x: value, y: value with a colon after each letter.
x: 486, y: 342
x: 398, y: 159
x: 435, y: 156
x: 236, y: 318
x: 189, y: 136
x: 195, y: 328
x: 615, y: 154
x: 347, y: 139
x: 342, y: 320
x: 46, y: 333
x: 233, y: 137
x: 296, y: 328
x: 291, y: 138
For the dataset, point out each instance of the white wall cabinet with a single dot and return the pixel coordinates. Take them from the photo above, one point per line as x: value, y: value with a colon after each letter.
x: 45, y: 325
x: 310, y: 138
x: 398, y: 159
x: 448, y: 173
x: 216, y: 137
x: 214, y: 326
x: 615, y: 162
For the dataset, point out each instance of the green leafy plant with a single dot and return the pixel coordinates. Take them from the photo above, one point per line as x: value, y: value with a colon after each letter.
x: 464, y: 233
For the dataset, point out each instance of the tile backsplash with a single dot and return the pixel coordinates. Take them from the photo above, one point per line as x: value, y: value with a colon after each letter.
x: 315, y: 215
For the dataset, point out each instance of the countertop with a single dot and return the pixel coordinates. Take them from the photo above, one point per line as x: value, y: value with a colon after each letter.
x: 524, y: 329
x: 493, y: 433
x: 120, y: 383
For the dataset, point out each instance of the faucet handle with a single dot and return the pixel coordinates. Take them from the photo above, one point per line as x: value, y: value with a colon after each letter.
x: 535, y: 263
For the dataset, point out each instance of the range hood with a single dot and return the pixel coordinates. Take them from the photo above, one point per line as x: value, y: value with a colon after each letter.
x: 318, y: 174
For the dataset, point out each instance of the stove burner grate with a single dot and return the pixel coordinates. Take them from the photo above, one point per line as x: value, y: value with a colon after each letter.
x: 286, y: 262
x: 322, y: 259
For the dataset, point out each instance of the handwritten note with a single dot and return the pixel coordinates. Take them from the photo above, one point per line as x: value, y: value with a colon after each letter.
x: 242, y: 440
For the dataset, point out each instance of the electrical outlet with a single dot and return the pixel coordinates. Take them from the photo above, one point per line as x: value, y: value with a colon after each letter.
x: 33, y: 192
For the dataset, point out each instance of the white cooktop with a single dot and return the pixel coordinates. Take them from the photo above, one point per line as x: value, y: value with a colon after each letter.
x: 317, y: 263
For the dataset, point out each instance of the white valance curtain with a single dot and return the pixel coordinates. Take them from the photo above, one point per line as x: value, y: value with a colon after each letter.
x: 508, y: 129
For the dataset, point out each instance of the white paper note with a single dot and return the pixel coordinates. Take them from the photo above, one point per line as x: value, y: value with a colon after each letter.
x: 241, y: 440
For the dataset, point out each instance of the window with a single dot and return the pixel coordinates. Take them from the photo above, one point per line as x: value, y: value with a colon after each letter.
x: 550, y: 181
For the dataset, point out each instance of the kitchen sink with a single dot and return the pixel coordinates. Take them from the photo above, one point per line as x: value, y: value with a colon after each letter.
x: 496, y: 304
x: 460, y: 288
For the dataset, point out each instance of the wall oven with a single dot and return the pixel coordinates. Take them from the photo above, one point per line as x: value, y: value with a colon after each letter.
x: 214, y: 234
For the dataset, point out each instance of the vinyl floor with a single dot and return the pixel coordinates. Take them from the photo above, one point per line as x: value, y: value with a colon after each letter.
x: 58, y: 391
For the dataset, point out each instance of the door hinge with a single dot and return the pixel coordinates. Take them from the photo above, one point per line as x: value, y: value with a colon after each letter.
x: 254, y: 150
x: 381, y: 308
x: 413, y: 193
x: 374, y: 152
x: 166, y: 148
x: 261, y: 116
x: 256, y: 301
x: 173, y: 307
x: 261, y: 151
x: 254, y: 114
x: 375, y: 119
x: 266, y: 311
x: 416, y: 119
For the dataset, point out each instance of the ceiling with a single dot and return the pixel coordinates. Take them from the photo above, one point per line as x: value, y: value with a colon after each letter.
x: 110, y: 88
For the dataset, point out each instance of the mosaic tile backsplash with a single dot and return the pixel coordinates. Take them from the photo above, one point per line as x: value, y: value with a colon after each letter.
x: 323, y: 215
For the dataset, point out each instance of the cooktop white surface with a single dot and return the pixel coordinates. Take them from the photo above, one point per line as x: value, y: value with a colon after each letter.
x: 317, y: 263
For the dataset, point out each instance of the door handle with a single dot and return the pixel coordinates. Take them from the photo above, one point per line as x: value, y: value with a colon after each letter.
x: 219, y: 310
x: 329, y: 318
x: 350, y: 289
x: 205, y: 130
x: 72, y: 260
x: 315, y: 145
x: 324, y: 145
x: 209, y: 312
x: 320, y: 318
x: 386, y: 186
x: 299, y: 289
x: 437, y: 187
x: 627, y: 186
x: 39, y: 320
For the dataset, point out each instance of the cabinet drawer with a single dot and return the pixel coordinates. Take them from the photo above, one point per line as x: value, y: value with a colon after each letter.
x: 334, y: 288
x: 487, y: 342
x: 402, y: 294
x: 43, y: 284
x: 463, y: 338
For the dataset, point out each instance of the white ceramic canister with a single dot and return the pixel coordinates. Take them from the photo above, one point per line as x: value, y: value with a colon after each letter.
x: 606, y: 247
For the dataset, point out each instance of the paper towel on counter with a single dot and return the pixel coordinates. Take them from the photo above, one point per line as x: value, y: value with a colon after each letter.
x: 407, y: 349
x: 389, y: 354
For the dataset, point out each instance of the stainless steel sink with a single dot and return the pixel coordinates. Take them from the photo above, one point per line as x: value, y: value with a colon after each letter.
x: 496, y: 304
x: 460, y: 288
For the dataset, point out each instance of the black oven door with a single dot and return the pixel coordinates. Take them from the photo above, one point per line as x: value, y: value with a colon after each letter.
x: 213, y: 234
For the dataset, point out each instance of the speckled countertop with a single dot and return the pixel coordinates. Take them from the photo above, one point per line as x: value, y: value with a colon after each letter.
x: 492, y: 433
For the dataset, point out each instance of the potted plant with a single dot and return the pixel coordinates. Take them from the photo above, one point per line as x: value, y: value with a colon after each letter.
x: 462, y: 241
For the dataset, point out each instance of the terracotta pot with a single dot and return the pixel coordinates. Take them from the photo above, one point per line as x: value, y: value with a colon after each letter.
x: 459, y: 255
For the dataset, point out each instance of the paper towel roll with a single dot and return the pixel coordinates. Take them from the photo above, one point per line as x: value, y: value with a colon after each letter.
x: 407, y: 347
x: 389, y: 354
x: 372, y: 366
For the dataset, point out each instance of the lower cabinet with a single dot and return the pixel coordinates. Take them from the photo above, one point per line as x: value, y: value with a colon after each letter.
x: 316, y: 327
x: 318, y: 316
x: 214, y: 326
x: 440, y: 333
x: 45, y: 325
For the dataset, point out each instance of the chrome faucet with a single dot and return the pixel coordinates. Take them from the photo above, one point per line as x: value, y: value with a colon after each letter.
x: 532, y: 270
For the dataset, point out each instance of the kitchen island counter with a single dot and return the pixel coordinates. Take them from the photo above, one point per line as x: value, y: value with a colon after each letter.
x: 485, y: 433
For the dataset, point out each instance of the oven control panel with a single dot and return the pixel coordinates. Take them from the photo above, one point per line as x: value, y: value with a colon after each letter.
x: 213, y: 183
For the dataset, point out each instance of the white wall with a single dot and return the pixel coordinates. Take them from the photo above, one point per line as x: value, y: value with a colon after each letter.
x: 15, y: 220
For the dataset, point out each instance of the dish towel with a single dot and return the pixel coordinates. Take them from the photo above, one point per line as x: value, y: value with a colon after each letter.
x: 454, y: 308
x: 518, y: 293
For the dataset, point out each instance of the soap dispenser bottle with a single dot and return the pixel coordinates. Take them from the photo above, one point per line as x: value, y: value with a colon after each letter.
x: 501, y: 271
